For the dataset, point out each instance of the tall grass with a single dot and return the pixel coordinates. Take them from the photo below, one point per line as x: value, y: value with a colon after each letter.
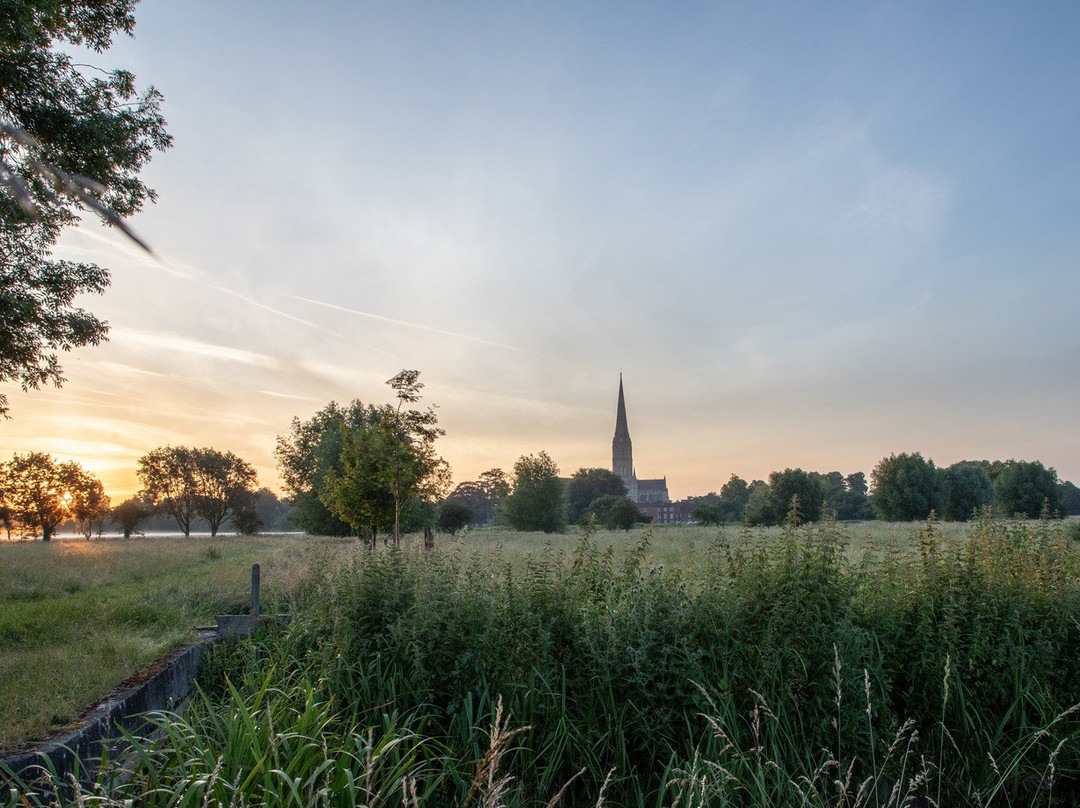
x: 785, y: 672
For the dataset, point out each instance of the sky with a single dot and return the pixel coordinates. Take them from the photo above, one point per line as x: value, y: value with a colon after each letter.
x: 806, y: 234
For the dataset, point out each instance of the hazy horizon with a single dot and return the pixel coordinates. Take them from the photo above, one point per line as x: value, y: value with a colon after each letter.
x: 807, y: 237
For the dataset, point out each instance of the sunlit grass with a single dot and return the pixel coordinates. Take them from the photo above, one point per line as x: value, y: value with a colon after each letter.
x: 78, y: 617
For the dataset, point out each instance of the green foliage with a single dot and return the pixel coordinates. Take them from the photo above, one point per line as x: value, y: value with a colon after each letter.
x: 38, y: 494
x: 131, y: 513
x: 708, y: 514
x: 386, y: 463
x: 786, y: 485
x: 483, y: 496
x: 759, y: 673
x: 586, y: 485
x: 454, y: 515
x: 1069, y: 497
x: 1025, y: 489
x: 310, y: 451
x: 71, y: 139
x: 187, y: 482
x: 906, y: 488
x: 538, y: 498
x: 968, y: 489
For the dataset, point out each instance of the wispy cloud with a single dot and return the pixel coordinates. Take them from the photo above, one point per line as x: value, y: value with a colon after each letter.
x: 188, y: 345
x: 419, y: 326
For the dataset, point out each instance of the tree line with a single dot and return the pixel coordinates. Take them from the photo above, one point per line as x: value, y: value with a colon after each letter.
x: 372, y: 470
x: 38, y: 494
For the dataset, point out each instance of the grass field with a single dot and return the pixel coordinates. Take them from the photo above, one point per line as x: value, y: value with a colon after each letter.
x: 821, y: 665
x: 78, y: 617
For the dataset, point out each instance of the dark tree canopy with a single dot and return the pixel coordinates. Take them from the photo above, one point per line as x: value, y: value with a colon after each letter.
x: 785, y: 485
x: 71, y: 139
x: 587, y: 484
x: 967, y: 489
x: 39, y: 493
x: 483, y: 496
x: 454, y: 515
x: 1023, y: 488
x: 538, y: 498
x: 906, y: 488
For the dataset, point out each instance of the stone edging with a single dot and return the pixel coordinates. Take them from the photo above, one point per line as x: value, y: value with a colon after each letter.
x: 166, y: 684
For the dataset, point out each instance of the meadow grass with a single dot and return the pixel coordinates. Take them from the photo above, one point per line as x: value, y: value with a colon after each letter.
x: 78, y: 617
x: 749, y: 669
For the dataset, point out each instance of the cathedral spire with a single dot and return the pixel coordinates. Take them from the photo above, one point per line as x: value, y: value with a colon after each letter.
x: 622, y: 450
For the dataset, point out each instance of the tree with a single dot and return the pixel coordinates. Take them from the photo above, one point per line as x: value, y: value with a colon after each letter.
x: 708, y: 514
x: 224, y: 485
x: 89, y: 505
x: 790, y: 483
x: 131, y: 513
x: 411, y: 469
x: 70, y: 140
x: 587, y: 484
x: 189, y: 483
x: 1024, y: 488
x: 305, y: 456
x: 39, y: 491
x: 388, y: 464
x: 623, y: 514
x: 167, y: 475
x: 1069, y: 497
x: 483, y: 496
x: 537, y: 500
x: 967, y: 489
x: 758, y: 509
x: 734, y: 497
x: 906, y: 488
x: 854, y: 503
x: 454, y: 515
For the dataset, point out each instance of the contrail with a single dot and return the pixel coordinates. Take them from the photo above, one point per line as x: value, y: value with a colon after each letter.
x: 418, y: 326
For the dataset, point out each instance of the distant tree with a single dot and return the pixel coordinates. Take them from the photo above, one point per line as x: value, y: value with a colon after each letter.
x: 131, y: 513
x: 623, y: 514
x: 244, y: 512
x: 967, y: 489
x: 272, y: 511
x: 587, y: 484
x: 1069, y: 496
x: 734, y: 497
x: 789, y: 483
x: 854, y: 503
x: 454, y: 515
x: 1024, y: 488
x: 483, y: 496
x: 758, y: 509
x: 834, y: 490
x: 38, y: 491
x: 71, y: 139
x: 538, y: 498
x: 89, y: 505
x: 190, y: 482
x: 708, y: 514
x: 305, y: 455
x: 906, y: 488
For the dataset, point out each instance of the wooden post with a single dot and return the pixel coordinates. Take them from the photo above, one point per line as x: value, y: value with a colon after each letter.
x: 254, y: 590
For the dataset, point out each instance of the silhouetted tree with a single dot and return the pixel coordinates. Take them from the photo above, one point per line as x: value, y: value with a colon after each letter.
x: 587, y: 484
x: 70, y: 140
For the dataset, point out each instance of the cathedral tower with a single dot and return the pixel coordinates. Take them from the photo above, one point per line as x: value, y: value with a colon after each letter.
x: 622, y: 450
